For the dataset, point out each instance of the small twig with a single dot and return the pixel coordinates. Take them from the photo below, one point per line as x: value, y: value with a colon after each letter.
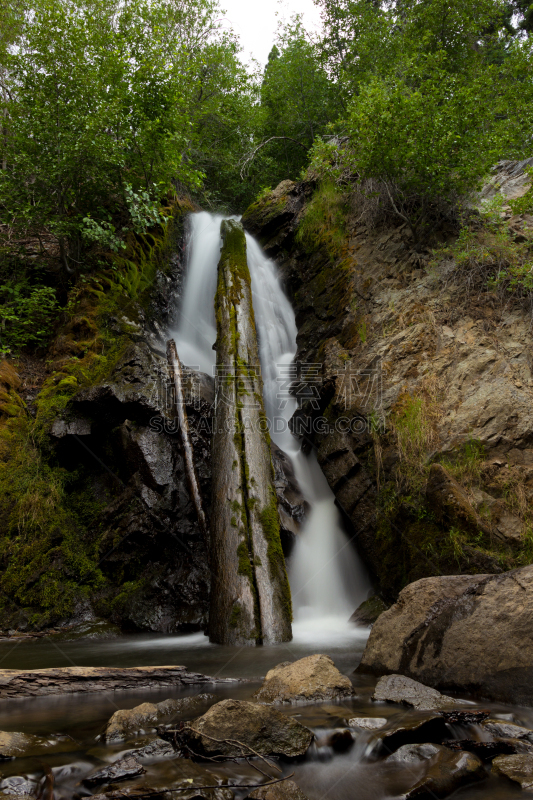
x: 233, y: 742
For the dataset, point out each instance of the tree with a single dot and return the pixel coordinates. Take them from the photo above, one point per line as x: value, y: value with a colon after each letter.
x: 429, y: 108
x: 298, y: 101
x: 104, y: 104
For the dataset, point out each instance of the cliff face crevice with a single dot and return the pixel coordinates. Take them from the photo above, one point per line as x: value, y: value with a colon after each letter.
x: 421, y: 361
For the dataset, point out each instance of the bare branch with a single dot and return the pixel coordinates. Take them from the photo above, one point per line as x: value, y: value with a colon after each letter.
x: 248, y: 160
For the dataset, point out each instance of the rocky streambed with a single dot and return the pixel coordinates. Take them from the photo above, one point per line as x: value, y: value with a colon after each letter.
x: 305, y: 731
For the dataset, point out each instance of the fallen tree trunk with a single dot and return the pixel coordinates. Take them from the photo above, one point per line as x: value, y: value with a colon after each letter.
x: 174, y: 365
x: 65, y: 680
x: 250, y: 594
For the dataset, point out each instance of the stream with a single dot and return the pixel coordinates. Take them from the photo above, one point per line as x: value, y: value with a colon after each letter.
x: 328, y: 581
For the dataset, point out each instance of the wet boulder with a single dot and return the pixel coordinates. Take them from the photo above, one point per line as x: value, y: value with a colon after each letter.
x: 145, y: 717
x: 415, y: 729
x: 235, y: 728
x: 407, y: 692
x: 121, y: 770
x: 437, y: 633
x: 284, y: 790
x: 507, y: 730
x: 518, y: 768
x: 306, y: 680
x: 444, y: 772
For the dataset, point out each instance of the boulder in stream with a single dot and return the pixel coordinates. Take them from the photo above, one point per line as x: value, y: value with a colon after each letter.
x: 235, y: 728
x: 445, y: 772
x: 130, y: 721
x: 307, y: 680
x: 518, y: 768
x: 506, y: 730
x: 14, y: 744
x: 399, y: 689
x: 465, y: 632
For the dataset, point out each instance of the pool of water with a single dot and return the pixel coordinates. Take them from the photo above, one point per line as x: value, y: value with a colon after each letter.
x: 75, y: 721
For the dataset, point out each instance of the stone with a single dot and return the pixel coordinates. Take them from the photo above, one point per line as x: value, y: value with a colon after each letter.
x: 367, y: 723
x: 518, y: 768
x: 121, y: 770
x: 257, y: 726
x: 307, y: 680
x: 159, y: 748
x: 415, y: 753
x: 19, y: 787
x: 437, y: 633
x: 414, y: 730
x: 285, y: 790
x: 445, y: 773
x: 14, y: 744
x: 407, y: 692
x: 486, y: 751
x: 368, y: 612
x: 340, y: 740
x: 507, y: 730
x: 145, y: 717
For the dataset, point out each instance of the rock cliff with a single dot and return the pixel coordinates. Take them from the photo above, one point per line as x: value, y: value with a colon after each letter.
x: 420, y: 401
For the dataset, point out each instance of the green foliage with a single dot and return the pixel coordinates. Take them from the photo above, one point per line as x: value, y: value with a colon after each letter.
x: 524, y: 204
x: 105, y: 105
x: 27, y: 316
x: 323, y: 222
x: 426, y: 111
x: 298, y: 101
x: 46, y: 559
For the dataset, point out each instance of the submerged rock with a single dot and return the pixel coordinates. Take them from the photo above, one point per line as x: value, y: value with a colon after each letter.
x: 121, y: 770
x: 14, y: 744
x: 306, y: 680
x: 414, y: 730
x: 518, y: 768
x: 285, y: 790
x: 159, y: 748
x: 230, y: 724
x: 507, y: 730
x: 127, y: 722
x: 446, y: 771
x: 437, y: 633
x: 399, y: 689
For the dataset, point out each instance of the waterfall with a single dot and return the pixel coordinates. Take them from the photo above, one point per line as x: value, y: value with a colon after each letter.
x: 327, y: 578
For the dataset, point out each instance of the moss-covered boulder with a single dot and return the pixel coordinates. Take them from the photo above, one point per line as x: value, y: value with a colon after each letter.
x: 234, y: 728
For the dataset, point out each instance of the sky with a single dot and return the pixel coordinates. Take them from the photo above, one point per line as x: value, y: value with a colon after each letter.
x: 255, y: 22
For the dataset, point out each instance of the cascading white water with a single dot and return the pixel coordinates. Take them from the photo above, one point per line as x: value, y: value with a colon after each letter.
x: 327, y: 578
